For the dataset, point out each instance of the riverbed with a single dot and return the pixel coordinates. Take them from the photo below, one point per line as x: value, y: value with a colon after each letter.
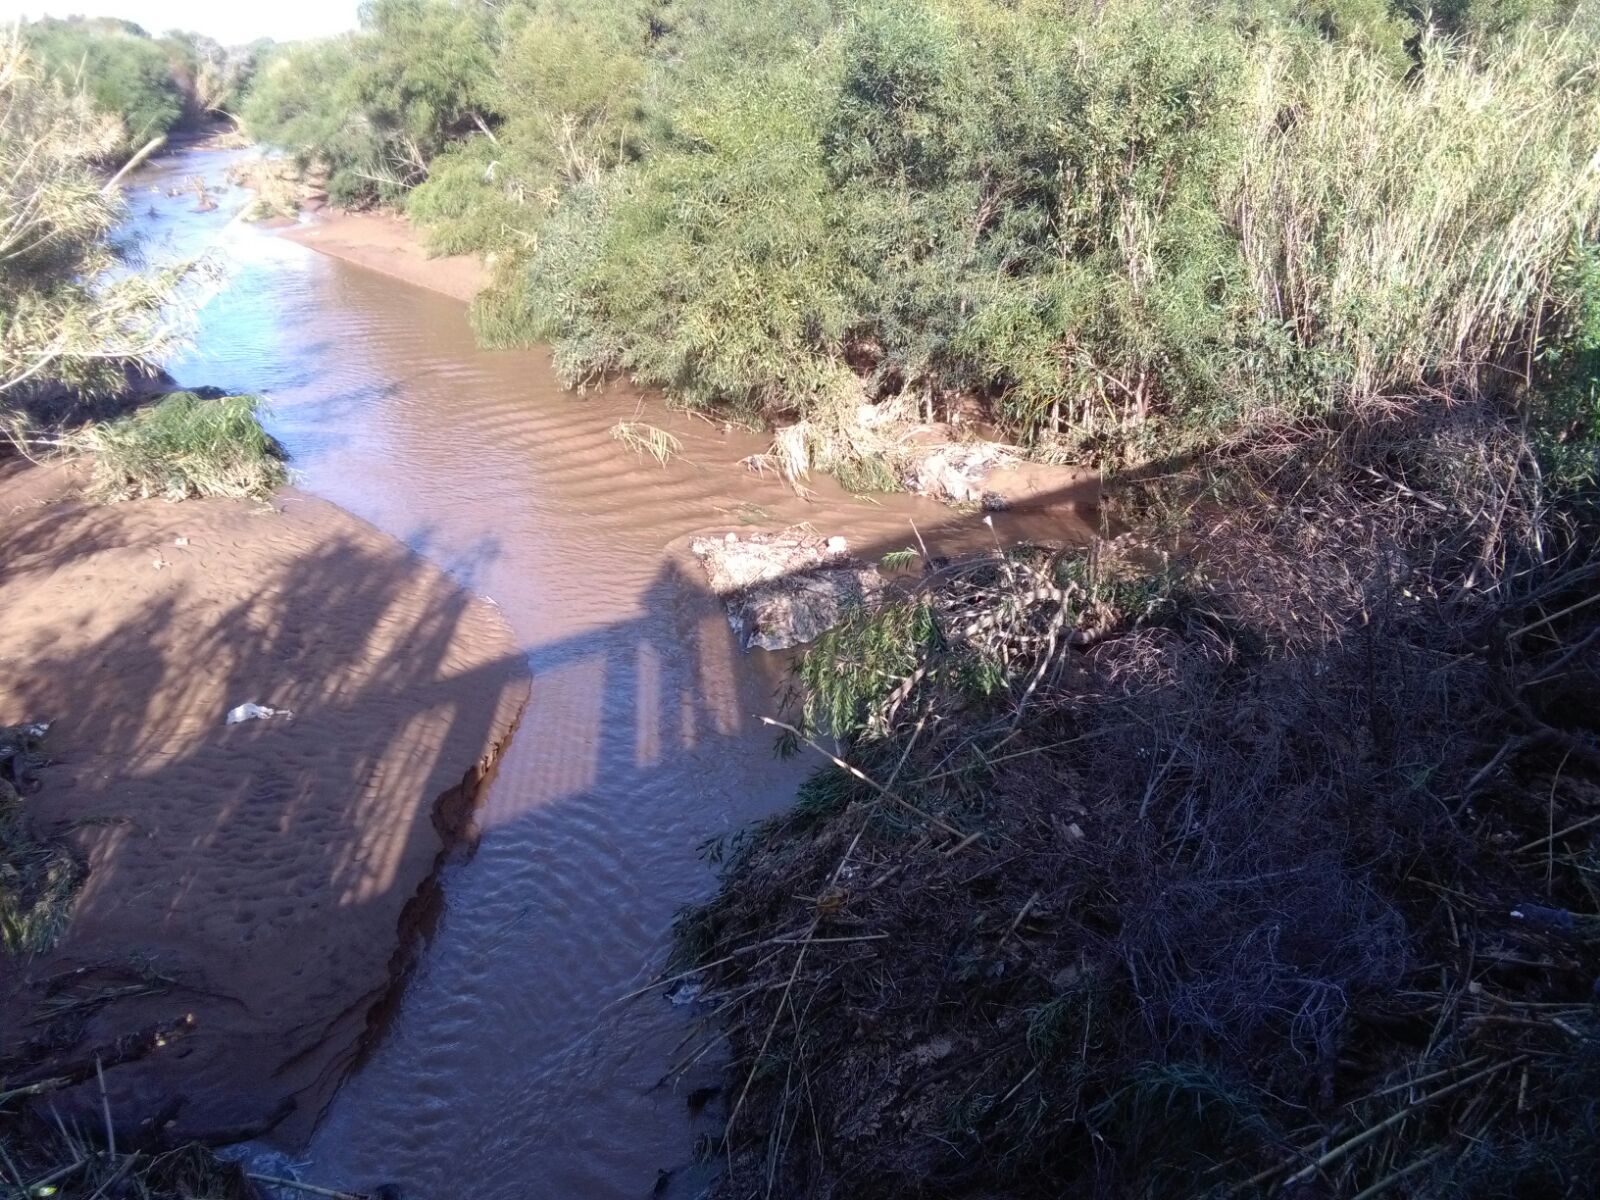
x: 511, y: 1065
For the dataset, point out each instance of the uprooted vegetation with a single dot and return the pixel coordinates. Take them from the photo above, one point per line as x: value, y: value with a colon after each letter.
x: 184, y: 446
x: 38, y: 874
x: 1256, y: 861
x: 78, y: 1157
x: 647, y: 440
x: 82, y: 1168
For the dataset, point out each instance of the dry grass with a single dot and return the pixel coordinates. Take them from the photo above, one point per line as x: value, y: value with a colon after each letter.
x: 647, y: 440
x: 1271, y: 869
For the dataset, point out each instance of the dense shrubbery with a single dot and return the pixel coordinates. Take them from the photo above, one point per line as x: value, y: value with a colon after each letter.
x: 1121, y: 227
x: 148, y: 85
x: 126, y: 73
x: 377, y: 108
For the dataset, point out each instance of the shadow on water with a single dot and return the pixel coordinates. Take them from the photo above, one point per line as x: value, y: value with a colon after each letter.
x: 642, y: 739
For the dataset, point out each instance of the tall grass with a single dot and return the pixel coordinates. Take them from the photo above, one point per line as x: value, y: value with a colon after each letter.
x: 1404, y: 235
x: 185, y: 446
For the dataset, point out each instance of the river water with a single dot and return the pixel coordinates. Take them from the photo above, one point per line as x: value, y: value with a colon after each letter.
x: 509, y: 1068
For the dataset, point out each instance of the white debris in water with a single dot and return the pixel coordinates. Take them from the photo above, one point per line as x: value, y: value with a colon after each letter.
x: 685, y: 993
x: 782, y: 589
x: 254, y: 712
x: 953, y: 470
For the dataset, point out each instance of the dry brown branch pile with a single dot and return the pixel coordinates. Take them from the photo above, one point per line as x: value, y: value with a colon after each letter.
x: 1289, y: 888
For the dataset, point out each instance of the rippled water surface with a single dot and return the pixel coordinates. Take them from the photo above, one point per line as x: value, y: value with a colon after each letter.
x: 509, y: 1069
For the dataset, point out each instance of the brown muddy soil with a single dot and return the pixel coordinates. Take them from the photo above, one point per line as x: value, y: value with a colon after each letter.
x: 259, y: 875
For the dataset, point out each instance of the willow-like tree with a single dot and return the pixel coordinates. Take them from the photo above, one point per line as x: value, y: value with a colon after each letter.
x: 71, y: 314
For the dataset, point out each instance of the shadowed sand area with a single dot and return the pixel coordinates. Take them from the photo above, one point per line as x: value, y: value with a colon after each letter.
x: 279, y: 871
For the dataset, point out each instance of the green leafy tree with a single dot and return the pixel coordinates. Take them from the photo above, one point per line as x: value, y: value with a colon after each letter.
x: 306, y: 100
x: 124, y: 72
x: 376, y: 107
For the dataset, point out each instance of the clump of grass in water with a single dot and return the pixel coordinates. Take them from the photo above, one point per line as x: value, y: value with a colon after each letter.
x: 648, y: 440
x: 185, y: 446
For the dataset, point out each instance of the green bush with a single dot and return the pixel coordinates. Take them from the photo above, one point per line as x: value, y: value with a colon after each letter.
x: 125, y: 73
x: 565, y: 98
x: 1126, y: 227
x: 711, y: 268
x: 304, y: 99
x: 376, y: 107
x: 185, y: 446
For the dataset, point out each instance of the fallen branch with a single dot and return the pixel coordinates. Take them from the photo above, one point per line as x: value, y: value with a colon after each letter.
x: 128, y: 1048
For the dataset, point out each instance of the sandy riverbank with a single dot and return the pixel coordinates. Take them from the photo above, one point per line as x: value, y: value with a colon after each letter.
x: 270, y: 877
x: 386, y: 243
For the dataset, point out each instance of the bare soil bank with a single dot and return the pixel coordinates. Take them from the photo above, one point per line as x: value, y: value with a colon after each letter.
x: 386, y: 243
x: 255, y: 875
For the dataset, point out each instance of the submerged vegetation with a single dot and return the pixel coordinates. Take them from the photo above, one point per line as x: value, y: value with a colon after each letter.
x: 646, y: 439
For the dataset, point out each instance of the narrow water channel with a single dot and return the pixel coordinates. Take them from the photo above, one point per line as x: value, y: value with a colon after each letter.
x: 509, y: 1070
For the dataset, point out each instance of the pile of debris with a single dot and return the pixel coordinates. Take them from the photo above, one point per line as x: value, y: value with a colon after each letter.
x: 783, y: 589
x: 954, y: 471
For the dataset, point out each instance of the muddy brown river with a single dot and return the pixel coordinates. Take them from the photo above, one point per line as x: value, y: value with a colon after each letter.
x: 510, y: 1067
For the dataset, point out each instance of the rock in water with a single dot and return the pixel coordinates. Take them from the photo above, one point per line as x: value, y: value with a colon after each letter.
x: 782, y: 589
